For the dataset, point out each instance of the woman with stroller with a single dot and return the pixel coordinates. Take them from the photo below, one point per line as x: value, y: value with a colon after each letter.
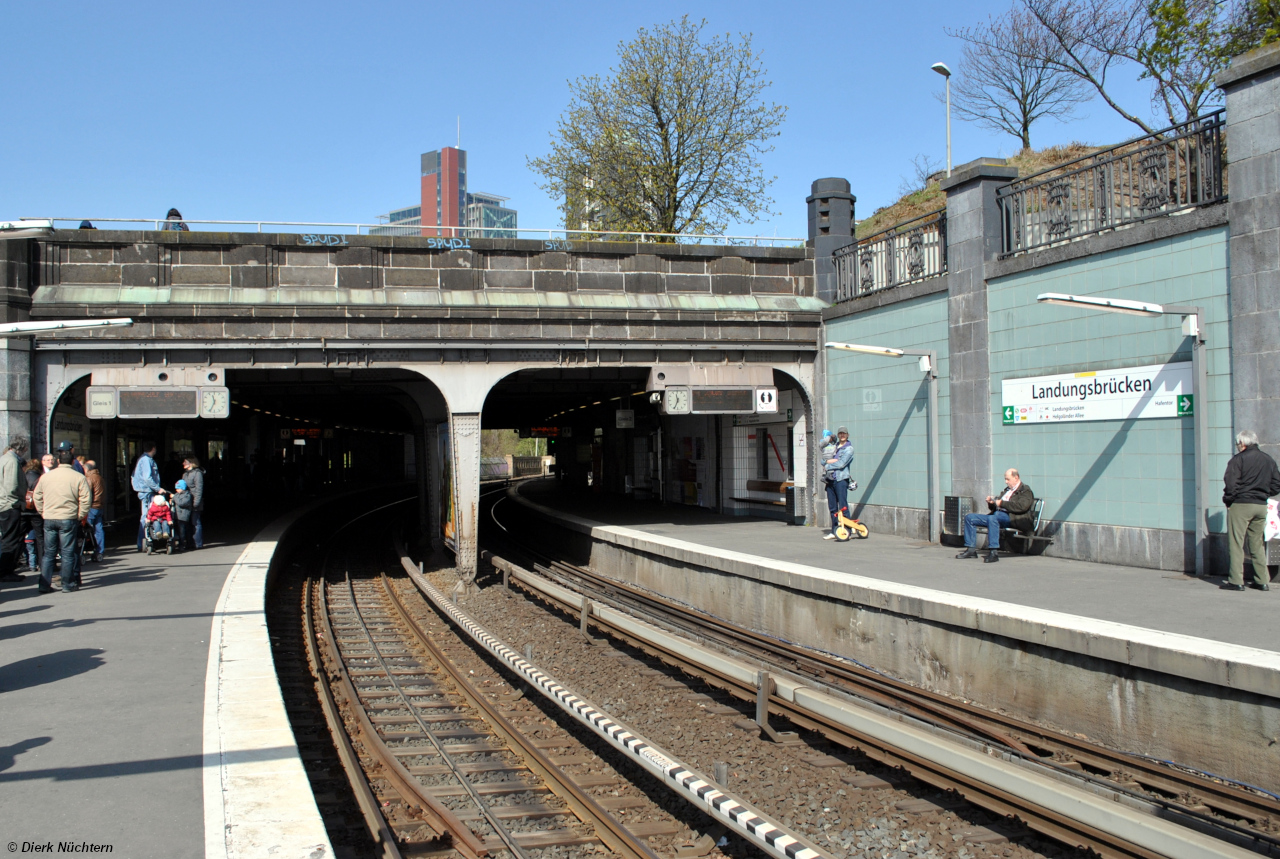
x: 159, y: 521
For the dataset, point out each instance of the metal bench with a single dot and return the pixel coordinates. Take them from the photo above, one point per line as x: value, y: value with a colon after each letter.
x: 1029, y: 538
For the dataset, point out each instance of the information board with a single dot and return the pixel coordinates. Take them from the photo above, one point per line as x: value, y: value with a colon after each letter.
x: 158, y: 403
x: 723, y: 400
x: 1152, y: 391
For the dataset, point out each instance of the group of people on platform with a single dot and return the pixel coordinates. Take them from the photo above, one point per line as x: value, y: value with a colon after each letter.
x: 1251, y: 479
x: 48, y: 505
x: 176, y: 514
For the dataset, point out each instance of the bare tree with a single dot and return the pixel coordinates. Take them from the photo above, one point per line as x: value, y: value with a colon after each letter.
x: 670, y: 141
x: 1006, y: 79
x: 1090, y: 38
x: 922, y: 168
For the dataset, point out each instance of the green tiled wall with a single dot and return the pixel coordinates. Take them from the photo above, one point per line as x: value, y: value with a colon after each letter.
x: 891, y: 445
x: 1130, y: 473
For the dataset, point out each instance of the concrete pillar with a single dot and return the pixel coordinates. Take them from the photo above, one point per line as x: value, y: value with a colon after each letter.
x: 433, y: 486
x: 15, y: 354
x: 1252, y: 86
x: 973, y: 238
x: 464, y: 441
x: 830, y: 228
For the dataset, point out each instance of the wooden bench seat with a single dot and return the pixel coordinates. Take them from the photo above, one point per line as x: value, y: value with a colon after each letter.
x: 773, y: 486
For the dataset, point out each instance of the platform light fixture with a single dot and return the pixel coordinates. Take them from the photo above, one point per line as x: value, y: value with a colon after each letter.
x: 1193, y: 327
x: 20, y: 329
x: 928, y: 366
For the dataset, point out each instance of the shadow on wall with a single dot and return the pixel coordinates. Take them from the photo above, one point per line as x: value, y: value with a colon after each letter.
x: 918, y: 404
x: 1053, y: 524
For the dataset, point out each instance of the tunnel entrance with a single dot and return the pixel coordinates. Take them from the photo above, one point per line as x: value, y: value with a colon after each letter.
x: 610, y: 435
x: 289, y: 435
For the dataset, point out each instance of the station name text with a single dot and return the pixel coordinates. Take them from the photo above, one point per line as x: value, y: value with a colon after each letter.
x: 1127, y: 385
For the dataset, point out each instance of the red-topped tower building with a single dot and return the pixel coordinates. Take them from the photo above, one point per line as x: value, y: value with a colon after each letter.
x: 444, y: 190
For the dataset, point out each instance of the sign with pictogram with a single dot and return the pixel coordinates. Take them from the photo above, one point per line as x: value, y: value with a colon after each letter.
x: 766, y: 400
x: 1124, y: 393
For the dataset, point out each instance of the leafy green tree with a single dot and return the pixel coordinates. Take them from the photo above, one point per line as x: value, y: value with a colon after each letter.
x: 670, y: 141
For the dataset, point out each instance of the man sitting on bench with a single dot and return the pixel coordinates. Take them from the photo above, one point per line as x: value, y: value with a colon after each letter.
x: 1011, y: 510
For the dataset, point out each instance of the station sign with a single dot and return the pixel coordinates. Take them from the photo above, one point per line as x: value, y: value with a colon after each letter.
x: 699, y: 400
x: 161, y: 401
x: 547, y: 432
x: 1125, y: 393
x: 625, y: 419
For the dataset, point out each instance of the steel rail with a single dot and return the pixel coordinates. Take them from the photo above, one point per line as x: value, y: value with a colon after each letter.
x: 734, y: 812
x: 436, y: 815
x: 381, y: 834
x: 614, y: 835
x: 1013, y: 733
x: 834, y: 718
x: 504, y: 835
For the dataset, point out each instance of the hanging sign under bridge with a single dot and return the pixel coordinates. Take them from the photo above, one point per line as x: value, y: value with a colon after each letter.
x: 1125, y: 393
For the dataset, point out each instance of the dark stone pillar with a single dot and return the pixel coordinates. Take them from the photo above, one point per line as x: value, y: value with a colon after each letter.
x: 1252, y: 85
x: 17, y: 277
x: 830, y: 228
x: 973, y: 237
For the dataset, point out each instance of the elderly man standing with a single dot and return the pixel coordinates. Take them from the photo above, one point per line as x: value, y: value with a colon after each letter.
x: 1251, y: 478
x: 63, y: 498
x: 1011, y: 509
x: 13, y: 496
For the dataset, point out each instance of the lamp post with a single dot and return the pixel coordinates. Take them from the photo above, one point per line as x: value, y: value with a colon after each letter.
x: 1193, y: 327
x: 928, y: 365
x: 941, y: 68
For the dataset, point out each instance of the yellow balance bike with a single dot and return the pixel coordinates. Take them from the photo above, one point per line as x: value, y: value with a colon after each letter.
x: 846, y: 527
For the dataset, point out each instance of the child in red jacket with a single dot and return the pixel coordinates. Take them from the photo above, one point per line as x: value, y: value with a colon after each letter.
x: 159, y: 517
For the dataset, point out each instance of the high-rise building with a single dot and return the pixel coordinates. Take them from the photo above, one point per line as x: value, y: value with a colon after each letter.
x: 446, y: 208
x: 444, y: 189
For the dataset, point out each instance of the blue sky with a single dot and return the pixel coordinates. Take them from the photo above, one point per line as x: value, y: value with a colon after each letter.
x: 319, y: 111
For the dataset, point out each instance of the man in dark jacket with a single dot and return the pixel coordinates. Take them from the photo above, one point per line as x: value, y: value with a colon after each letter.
x: 1011, y: 509
x: 1251, y: 478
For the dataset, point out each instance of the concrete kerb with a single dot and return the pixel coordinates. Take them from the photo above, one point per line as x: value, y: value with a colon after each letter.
x: 1236, y: 667
x: 257, y: 798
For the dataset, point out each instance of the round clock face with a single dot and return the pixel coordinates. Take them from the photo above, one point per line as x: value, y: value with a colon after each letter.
x: 214, y: 403
x: 678, y: 400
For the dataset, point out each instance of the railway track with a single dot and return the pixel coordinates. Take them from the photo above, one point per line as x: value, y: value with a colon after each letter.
x: 429, y: 752
x: 1243, y: 817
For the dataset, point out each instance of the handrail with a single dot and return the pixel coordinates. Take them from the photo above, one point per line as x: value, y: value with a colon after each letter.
x: 550, y: 233
x: 1172, y: 170
x: 907, y: 252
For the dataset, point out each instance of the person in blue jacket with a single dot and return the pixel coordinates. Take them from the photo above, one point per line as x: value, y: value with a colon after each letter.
x: 146, y: 482
x: 836, y: 474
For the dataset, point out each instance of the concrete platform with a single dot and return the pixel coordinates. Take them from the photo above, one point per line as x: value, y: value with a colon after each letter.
x: 1154, y: 599
x: 103, y: 699
x: 1137, y: 659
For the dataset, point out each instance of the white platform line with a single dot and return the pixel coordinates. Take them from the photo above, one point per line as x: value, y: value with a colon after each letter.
x: 257, y: 798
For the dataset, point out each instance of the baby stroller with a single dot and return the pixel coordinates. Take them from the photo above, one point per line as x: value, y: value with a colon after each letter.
x: 159, y: 537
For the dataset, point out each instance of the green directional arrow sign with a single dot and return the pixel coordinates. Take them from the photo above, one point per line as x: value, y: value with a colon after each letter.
x: 1008, y: 415
x: 1186, y: 404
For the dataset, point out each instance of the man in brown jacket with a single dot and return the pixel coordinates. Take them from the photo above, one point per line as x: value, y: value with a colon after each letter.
x: 94, y: 522
x: 63, y: 498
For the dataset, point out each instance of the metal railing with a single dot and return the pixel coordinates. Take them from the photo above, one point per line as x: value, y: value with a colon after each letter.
x: 332, y: 233
x: 1170, y: 171
x: 905, y: 253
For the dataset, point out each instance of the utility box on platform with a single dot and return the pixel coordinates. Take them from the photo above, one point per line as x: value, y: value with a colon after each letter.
x: 954, y: 509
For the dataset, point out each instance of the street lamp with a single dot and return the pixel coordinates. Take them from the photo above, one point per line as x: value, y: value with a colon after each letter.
x: 941, y: 68
x: 928, y: 365
x: 1193, y: 327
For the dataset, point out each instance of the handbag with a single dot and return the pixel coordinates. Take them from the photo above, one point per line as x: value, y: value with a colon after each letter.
x: 31, y: 499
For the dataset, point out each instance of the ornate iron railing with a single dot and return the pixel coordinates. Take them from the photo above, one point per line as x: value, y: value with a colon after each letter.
x: 905, y: 253
x: 1172, y: 170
